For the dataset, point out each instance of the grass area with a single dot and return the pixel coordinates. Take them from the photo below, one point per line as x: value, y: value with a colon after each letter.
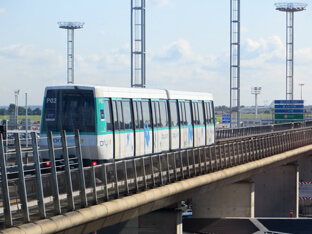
x: 21, y: 117
x: 260, y: 116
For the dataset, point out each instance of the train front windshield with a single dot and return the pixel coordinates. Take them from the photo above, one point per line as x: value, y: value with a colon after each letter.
x: 67, y: 109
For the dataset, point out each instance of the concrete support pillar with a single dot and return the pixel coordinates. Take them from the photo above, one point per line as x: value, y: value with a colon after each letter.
x: 277, y: 192
x: 235, y: 200
x: 165, y: 221
x: 305, y: 175
x: 305, y: 168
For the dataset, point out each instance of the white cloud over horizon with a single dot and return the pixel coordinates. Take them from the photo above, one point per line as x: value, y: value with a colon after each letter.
x: 175, y: 66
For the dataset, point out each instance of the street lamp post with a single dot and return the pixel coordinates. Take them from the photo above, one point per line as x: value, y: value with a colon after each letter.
x: 256, y: 91
x: 301, y: 90
x: 16, y: 92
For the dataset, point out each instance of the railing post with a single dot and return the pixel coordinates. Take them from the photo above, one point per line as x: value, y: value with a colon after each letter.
x: 82, y: 181
x: 215, y: 157
x: 116, y: 180
x: 135, y: 176
x: 153, y: 172
x: 8, y: 221
x: 168, y: 167
x: 175, y: 166
x: 144, y: 172
x: 126, y: 177
x: 93, y: 180
x: 105, y: 182
x: 22, y: 185
x: 205, y: 157
x: 188, y: 164
x: 160, y: 171
x: 182, y: 167
x: 42, y: 210
x: 55, y: 188
x: 194, y: 161
x: 68, y: 178
x: 200, y: 161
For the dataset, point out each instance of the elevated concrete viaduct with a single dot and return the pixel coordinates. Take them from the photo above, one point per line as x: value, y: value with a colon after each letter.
x: 247, y: 179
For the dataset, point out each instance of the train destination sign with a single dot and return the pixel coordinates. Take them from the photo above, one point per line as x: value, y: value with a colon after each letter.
x: 288, y: 110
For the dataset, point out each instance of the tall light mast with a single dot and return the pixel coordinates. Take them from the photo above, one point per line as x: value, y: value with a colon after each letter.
x: 235, y: 63
x: 70, y: 26
x: 138, y: 44
x: 290, y: 9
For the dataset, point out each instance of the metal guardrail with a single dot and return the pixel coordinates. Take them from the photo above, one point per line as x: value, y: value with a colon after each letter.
x: 245, y: 131
x: 36, y: 194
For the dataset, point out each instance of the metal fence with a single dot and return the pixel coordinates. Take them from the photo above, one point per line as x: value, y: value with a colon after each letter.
x: 30, y: 191
x: 245, y: 131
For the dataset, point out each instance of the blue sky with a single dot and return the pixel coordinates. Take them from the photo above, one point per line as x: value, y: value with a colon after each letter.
x: 187, y: 46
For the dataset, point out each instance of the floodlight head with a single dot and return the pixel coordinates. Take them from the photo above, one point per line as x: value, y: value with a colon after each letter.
x: 290, y: 7
x: 16, y: 92
x: 71, y: 25
x: 256, y: 90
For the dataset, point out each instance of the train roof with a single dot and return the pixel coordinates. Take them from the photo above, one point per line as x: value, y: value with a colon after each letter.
x: 120, y: 92
x: 172, y: 94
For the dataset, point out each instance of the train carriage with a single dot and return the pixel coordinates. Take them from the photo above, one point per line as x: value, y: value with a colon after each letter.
x: 116, y: 123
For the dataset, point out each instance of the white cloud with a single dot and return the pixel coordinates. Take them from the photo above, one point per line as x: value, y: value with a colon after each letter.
x: 177, y: 50
x: 2, y: 11
x: 159, y: 3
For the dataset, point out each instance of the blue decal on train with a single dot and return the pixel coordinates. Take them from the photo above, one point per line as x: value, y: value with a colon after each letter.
x: 146, y: 134
x: 190, y: 133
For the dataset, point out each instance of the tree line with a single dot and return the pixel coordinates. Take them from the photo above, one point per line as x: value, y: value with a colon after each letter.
x: 21, y: 110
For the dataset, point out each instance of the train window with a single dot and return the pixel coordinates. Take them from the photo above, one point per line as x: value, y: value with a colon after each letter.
x: 212, y: 112
x: 200, y: 113
x: 135, y: 114
x: 163, y: 113
x: 188, y: 113
x: 157, y: 114
x: 127, y: 114
x: 154, y: 115
x: 146, y: 114
x: 182, y: 113
x: 195, y: 112
x: 209, y: 113
x: 120, y: 117
x: 206, y: 113
x: 108, y: 113
x: 173, y: 114
x: 69, y: 110
x: 140, y: 116
x: 116, y: 125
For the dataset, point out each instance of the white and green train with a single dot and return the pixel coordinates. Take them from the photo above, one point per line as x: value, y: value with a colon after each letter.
x: 116, y: 123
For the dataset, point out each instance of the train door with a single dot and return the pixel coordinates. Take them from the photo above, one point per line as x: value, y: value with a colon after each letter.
x: 139, y: 128
x: 148, y: 131
x: 164, y: 126
x: 198, y: 120
x: 128, y: 133
x: 186, y: 132
x: 174, y: 125
x: 156, y: 127
x: 105, y: 136
x: 123, y: 126
x: 209, y: 121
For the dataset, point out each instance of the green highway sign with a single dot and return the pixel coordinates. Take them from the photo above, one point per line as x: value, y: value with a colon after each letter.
x: 288, y: 110
x: 289, y: 116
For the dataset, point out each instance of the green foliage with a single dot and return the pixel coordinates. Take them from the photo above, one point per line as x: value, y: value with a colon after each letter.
x: 21, y: 111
